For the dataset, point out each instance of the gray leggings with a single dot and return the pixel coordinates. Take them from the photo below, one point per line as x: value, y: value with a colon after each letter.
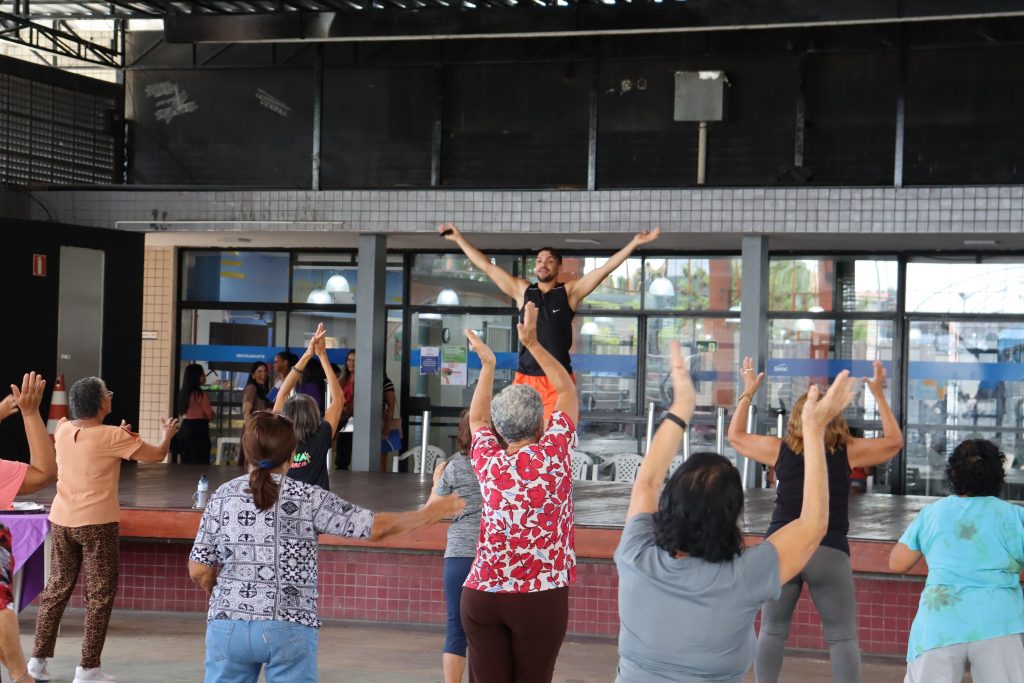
x: 829, y: 578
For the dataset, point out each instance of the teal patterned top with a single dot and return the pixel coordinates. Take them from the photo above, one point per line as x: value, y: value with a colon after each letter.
x: 975, y: 552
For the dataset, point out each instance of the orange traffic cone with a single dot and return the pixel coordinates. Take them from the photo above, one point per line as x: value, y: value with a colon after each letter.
x: 58, y: 406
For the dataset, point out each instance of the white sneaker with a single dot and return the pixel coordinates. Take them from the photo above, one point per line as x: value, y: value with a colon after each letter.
x: 92, y: 676
x: 38, y: 670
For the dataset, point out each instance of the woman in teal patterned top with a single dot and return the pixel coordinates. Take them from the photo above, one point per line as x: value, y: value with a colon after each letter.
x: 972, y: 608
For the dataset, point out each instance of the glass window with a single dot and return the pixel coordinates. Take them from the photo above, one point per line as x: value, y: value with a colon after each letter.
x: 952, y: 287
x: 604, y: 359
x: 867, y: 284
x: 258, y: 276
x: 226, y: 344
x: 928, y: 449
x: 333, y: 279
x: 712, y: 347
x: 801, y: 284
x: 619, y: 291
x: 805, y: 350
x: 698, y: 284
x: 451, y: 280
x: 445, y: 331
x: 340, y: 327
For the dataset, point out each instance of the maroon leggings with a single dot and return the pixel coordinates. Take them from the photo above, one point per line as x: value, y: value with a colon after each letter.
x: 514, y: 637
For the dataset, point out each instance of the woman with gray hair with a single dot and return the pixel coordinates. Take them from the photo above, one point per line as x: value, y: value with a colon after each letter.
x: 309, y: 462
x: 84, y: 521
x: 515, y: 601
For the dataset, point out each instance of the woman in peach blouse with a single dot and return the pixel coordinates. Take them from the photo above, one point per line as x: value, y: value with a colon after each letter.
x: 84, y: 532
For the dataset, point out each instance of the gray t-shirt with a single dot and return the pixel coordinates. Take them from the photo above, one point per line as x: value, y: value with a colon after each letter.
x: 458, y: 478
x: 687, y: 620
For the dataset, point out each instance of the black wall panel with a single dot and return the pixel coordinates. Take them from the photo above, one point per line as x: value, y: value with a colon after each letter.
x: 33, y: 313
x: 851, y: 118
x: 377, y: 128
x: 964, y: 122
x: 242, y: 127
x: 639, y: 145
x: 516, y: 126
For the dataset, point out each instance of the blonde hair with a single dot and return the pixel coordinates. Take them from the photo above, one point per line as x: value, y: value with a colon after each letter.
x: 837, y: 433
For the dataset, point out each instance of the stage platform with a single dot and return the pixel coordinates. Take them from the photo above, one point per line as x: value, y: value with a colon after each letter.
x: 156, y: 503
x: 399, y: 580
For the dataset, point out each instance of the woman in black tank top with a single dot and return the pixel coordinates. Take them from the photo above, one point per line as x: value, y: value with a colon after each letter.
x: 828, y: 575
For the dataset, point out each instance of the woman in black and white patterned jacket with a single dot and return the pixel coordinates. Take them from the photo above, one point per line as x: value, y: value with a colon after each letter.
x: 256, y: 557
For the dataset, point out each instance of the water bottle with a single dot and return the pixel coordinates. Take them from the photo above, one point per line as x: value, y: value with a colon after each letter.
x: 202, y: 493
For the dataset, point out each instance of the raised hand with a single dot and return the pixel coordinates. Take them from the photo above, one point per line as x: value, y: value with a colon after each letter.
x: 481, y: 349
x: 684, y: 396
x: 876, y: 383
x: 30, y: 395
x: 528, y: 327
x: 646, y: 236
x: 449, y: 232
x: 314, y: 342
x: 751, y: 380
x: 819, y: 410
x: 8, y: 406
x: 170, y: 428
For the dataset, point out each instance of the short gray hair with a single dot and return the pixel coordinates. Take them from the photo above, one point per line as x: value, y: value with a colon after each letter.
x: 304, y: 412
x: 517, y: 412
x: 85, y: 399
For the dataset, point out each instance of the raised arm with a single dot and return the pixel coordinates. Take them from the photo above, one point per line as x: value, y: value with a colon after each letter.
x: 480, y: 406
x: 509, y: 284
x: 763, y: 449
x: 579, y: 289
x: 651, y: 476
x: 155, y: 453
x: 42, y: 469
x: 797, y: 541
x: 568, y: 400
x: 295, y: 374
x: 870, y: 452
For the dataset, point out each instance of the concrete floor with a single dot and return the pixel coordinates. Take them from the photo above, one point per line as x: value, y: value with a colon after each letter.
x: 157, y: 647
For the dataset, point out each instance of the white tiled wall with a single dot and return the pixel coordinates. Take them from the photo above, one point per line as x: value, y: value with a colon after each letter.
x: 157, y: 354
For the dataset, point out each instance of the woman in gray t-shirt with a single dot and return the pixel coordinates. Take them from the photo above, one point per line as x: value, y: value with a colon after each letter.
x: 457, y: 476
x: 688, y: 591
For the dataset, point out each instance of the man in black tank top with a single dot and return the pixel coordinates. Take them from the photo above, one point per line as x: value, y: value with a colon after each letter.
x: 556, y: 301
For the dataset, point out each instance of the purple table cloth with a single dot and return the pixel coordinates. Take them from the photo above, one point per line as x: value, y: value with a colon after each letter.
x: 28, y: 537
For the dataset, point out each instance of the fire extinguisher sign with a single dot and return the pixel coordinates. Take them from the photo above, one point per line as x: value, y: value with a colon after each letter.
x: 39, y: 265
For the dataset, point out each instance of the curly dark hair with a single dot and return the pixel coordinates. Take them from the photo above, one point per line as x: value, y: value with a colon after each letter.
x: 976, y: 469
x: 700, y: 509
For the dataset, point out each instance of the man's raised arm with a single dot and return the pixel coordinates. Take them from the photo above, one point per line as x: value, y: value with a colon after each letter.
x: 509, y: 284
x: 579, y: 289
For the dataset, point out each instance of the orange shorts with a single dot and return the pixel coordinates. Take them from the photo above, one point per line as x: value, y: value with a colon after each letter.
x: 547, y: 392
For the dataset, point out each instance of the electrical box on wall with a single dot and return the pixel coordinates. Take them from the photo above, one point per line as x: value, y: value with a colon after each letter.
x: 700, y: 96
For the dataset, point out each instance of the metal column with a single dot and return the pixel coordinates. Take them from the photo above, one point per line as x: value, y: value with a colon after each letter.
x: 754, y: 333
x: 371, y: 321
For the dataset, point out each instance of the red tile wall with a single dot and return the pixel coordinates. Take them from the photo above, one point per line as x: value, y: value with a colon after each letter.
x: 405, y: 587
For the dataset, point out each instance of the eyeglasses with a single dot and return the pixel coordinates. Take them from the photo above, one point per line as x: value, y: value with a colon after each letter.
x: 109, y: 394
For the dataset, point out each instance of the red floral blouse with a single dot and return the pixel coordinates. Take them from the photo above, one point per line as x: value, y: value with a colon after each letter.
x: 527, y: 543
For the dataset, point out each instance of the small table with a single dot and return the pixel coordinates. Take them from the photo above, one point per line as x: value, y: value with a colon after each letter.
x: 30, y: 536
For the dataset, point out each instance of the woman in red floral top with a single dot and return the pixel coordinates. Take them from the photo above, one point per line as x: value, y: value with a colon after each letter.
x: 515, y: 602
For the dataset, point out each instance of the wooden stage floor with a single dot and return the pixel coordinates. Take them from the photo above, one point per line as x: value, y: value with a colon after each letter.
x: 599, y: 505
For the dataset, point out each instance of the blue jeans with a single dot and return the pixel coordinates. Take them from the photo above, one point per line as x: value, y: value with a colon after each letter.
x: 236, y: 650
x: 456, y: 569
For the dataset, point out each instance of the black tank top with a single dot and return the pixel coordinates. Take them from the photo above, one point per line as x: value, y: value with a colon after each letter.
x: 789, y: 470
x: 554, y: 328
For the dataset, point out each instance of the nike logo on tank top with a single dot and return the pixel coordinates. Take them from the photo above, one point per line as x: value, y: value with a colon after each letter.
x: 554, y: 327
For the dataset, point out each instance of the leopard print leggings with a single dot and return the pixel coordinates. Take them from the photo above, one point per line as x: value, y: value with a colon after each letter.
x: 97, y: 547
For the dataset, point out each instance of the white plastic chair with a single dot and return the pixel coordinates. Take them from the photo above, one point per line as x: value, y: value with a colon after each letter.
x: 582, y: 466
x: 624, y: 466
x: 434, y: 456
